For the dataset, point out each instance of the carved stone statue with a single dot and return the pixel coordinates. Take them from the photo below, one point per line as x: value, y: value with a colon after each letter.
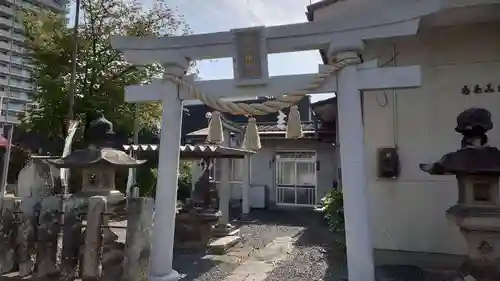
x: 194, y: 222
x: 205, y: 193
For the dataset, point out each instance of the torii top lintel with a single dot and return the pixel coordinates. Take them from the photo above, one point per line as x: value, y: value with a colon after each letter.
x: 400, y: 19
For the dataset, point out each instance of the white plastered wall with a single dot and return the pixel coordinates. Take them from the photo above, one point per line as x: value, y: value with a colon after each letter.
x: 409, y: 213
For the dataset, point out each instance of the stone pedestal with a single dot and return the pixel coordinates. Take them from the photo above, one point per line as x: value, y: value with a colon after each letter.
x: 481, y: 230
x: 194, y: 229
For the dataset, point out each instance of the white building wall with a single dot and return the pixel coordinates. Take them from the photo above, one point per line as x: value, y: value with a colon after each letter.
x: 263, y: 165
x: 409, y: 213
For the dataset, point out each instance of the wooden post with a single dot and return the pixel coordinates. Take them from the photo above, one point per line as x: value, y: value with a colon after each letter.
x: 137, y: 245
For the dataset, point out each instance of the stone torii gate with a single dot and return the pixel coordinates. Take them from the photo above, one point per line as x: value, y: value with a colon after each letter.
x: 343, y: 40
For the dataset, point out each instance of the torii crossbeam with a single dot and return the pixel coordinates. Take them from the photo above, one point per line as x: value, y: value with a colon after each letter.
x: 341, y: 39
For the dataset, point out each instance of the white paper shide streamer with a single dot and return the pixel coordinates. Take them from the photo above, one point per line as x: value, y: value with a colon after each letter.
x: 64, y: 172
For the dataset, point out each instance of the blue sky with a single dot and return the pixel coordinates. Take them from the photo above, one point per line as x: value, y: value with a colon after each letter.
x: 205, y: 16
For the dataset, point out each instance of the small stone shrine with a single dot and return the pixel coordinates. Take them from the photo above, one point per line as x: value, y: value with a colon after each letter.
x: 477, y: 212
x: 205, y: 196
x: 195, y: 221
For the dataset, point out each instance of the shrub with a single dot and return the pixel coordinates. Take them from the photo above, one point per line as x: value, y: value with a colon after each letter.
x: 184, y: 183
x: 146, y: 180
x: 332, y: 206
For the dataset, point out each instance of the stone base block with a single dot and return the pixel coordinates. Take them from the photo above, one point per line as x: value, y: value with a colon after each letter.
x: 221, y: 245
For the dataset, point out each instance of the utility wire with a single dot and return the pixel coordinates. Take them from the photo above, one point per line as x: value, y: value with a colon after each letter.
x: 72, y: 89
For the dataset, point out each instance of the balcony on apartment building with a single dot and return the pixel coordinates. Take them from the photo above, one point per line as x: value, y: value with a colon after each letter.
x: 14, y: 47
x: 11, y: 110
x: 18, y: 72
x: 15, y: 83
x: 12, y: 33
x: 16, y: 96
x: 5, y: 45
x: 15, y: 59
x: 54, y: 5
x: 14, y: 107
x: 23, y: 85
x: 15, y: 71
x: 6, y: 9
x: 18, y: 36
x: 10, y: 22
x: 10, y: 117
x: 4, y: 32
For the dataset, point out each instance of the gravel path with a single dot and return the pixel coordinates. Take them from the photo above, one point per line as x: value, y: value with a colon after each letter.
x: 308, y: 260
x: 315, y: 256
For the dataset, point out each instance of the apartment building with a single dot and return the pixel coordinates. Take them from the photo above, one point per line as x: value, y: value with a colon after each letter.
x: 16, y: 89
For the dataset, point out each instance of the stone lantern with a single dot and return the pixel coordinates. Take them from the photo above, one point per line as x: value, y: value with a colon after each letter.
x: 98, y: 162
x: 477, y: 212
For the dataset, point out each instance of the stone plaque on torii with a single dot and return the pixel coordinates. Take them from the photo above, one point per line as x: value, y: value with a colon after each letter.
x: 249, y: 49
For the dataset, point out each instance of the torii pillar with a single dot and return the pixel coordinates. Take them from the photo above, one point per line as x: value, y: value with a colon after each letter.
x: 352, y: 162
x: 162, y: 241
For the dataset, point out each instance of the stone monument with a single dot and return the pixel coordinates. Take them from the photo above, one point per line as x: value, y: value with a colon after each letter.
x: 476, y: 166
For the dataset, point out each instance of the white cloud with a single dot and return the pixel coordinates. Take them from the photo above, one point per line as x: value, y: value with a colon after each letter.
x: 268, y: 12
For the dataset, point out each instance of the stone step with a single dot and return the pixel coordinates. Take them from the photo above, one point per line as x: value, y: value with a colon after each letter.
x: 225, y: 232
x: 221, y: 245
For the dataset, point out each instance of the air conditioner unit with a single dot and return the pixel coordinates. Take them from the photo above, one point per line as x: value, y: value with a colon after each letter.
x: 258, y: 196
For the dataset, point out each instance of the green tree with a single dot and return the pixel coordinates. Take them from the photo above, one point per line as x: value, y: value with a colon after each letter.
x: 102, y: 72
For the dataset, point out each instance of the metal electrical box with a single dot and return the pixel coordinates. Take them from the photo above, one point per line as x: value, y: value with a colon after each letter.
x: 258, y: 196
x: 388, y: 162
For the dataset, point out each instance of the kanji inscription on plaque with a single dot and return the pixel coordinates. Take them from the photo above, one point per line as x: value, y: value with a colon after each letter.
x: 250, y: 56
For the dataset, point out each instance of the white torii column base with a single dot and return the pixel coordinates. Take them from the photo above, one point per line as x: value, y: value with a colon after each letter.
x: 162, y: 240
x: 172, y: 276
